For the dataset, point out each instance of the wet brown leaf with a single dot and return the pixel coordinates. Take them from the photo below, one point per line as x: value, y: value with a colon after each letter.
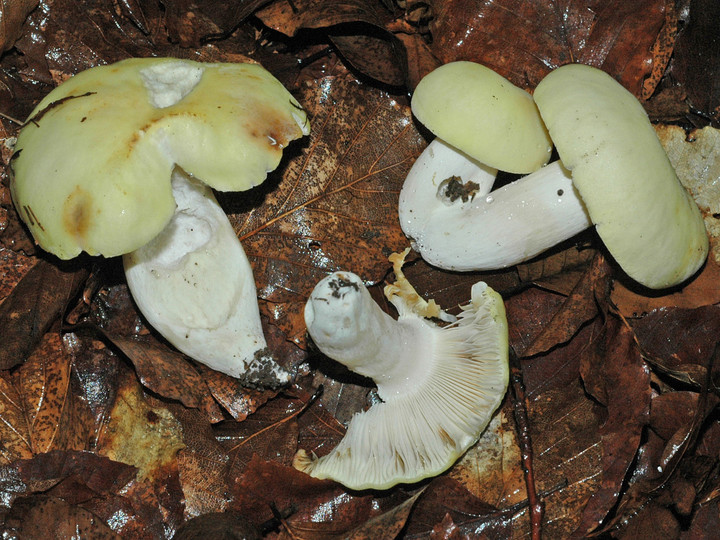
x: 525, y: 40
x: 385, y: 526
x: 238, y: 401
x: 356, y: 27
x: 678, y: 342
x: 40, y: 412
x: 38, y: 517
x: 579, y: 307
x: 446, y: 501
x: 565, y: 431
x: 12, y: 16
x: 36, y: 302
x: 319, y: 505
x: 614, y: 373
x: 220, y: 525
x: 167, y: 372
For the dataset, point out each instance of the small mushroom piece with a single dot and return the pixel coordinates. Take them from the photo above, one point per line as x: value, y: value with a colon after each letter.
x: 613, y: 173
x: 120, y: 159
x: 439, y: 385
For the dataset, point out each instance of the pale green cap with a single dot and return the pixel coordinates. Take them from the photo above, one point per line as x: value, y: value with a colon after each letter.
x: 92, y: 165
x: 483, y: 114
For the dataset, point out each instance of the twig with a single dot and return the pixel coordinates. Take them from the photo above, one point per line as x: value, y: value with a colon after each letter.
x: 11, y: 119
x: 535, y: 503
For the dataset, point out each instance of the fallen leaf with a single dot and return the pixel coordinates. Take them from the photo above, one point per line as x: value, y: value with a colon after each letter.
x: 524, y: 41
x: 12, y: 16
x: 319, y: 505
x: 37, y: 517
x: 614, y: 373
x: 357, y: 28
x: 40, y: 412
x: 218, y: 525
x: 167, y: 372
x: 386, y: 526
x: 203, y: 465
x: 678, y: 342
x: 491, y: 469
x: 138, y: 434
x: 36, y: 302
x: 580, y: 306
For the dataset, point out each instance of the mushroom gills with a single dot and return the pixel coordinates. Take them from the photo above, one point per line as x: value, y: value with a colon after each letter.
x: 439, y: 386
x: 194, y: 285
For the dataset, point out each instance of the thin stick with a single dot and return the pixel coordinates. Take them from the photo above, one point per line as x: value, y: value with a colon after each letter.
x: 535, y: 503
x: 8, y: 117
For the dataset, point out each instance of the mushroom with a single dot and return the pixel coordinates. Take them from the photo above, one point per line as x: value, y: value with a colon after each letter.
x: 439, y: 385
x: 120, y: 160
x: 613, y: 173
x: 484, y: 115
x: 483, y: 123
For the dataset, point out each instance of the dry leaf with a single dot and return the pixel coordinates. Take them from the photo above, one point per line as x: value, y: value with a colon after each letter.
x: 167, y: 372
x: 36, y: 302
x: 39, y: 410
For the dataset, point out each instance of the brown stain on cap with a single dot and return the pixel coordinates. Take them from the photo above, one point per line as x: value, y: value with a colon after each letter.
x: 77, y: 214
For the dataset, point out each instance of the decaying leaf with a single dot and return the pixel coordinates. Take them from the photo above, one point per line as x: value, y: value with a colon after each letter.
x: 39, y: 410
x: 146, y: 437
x: 36, y: 302
x: 697, y: 58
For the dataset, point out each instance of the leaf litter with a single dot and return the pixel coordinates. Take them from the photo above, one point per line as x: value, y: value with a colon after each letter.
x: 620, y: 386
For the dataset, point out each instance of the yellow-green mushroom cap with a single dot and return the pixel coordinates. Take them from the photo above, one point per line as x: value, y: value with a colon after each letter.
x: 92, y: 164
x: 648, y: 222
x: 474, y: 109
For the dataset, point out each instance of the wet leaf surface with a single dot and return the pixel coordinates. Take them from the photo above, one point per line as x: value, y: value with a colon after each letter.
x: 616, y: 36
x: 108, y: 432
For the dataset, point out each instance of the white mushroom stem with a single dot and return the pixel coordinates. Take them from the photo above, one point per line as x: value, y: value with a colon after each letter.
x: 488, y: 230
x: 194, y: 285
x: 439, y: 386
